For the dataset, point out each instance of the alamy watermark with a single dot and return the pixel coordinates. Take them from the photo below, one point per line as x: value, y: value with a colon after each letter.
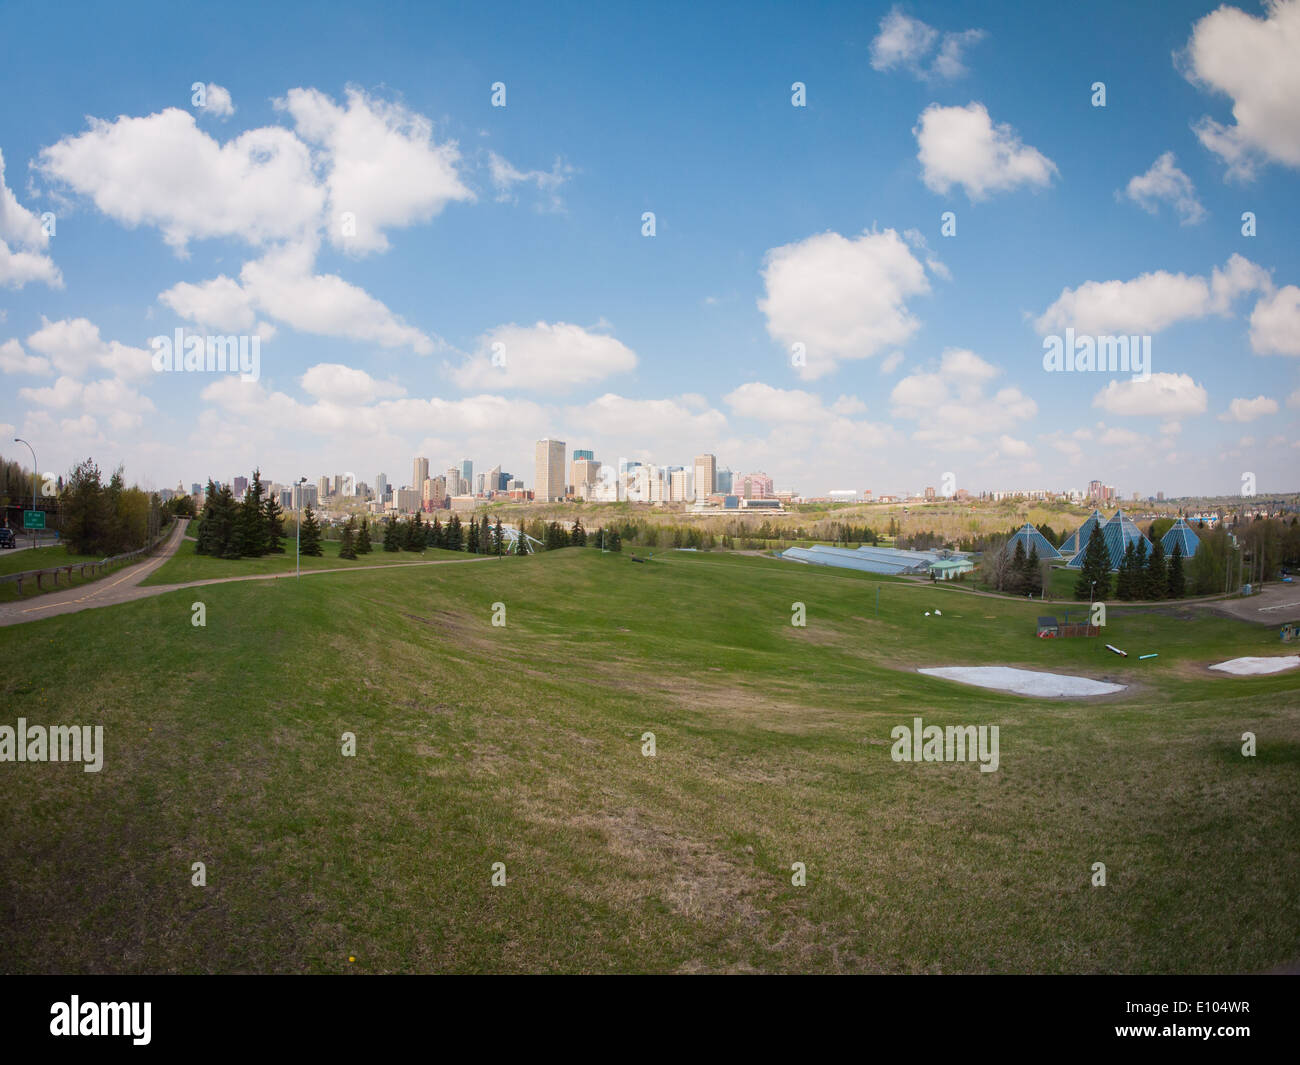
x: 1106, y: 354
x: 194, y: 353
x: 956, y: 743
x: 57, y: 743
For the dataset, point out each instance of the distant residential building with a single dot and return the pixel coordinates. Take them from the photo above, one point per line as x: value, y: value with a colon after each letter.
x: 514, y: 485
x: 453, y: 480
x: 323, y: 489
x: 304, y: 495
x: 381, y: 487
x: 419, y: 471
x: 196, y: 489
x: 929, y: 494
x: 680, y: 486
x: 339, y: 487
x: 548, y: 471
x: 843, y: 495
x: 706, y: 475
x: 586, y: 475
x: 481, y: 488
x: 434, y: 493
x: 239, y: 486
x: 756, y: 486
x: 408, y: 500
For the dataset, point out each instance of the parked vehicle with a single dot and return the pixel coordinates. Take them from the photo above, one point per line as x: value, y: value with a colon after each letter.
x: 7, y: 538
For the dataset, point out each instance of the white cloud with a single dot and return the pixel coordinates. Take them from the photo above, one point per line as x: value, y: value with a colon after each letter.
x: 1293, y: 400
x: 74, y: 347
x: 505, y: 176
x: 1160, y: 395
x: 1275, y: 323
x: 951, y: 405
x: 22, y: 228
x: 1151, y: 302
x: 1253, y: 62
x: 905, y: 42
x: 121, y: 404
x: 162, y: 170
x: 1247, y: 410
x: 1164, y: 182
x: 221, y: 303
x: 891, y: 362
x: 961, y: 146
x: 16, y: 361
x: 335, y: 383
x: 217, y: 101
x: 842, y: 298
x: 381, y: 164
x: 648, y: 420
x: 768, y: 404
x: 551, y: 357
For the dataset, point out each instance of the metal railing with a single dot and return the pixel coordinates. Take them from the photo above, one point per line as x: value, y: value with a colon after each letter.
x: 101, y: 566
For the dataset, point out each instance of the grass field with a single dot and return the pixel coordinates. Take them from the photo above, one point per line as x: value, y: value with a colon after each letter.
x: 185, y: 565
x: 42, y: 558
x: 522, y: 744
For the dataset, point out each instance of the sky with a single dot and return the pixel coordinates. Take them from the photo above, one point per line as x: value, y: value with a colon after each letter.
x: 831, y: 242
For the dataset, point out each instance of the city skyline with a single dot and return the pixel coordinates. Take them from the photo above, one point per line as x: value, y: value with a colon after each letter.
x: 408, y: 261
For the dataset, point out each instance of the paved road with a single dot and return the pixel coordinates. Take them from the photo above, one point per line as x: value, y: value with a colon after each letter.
x: 1275, y: 605
x: 124, y: 586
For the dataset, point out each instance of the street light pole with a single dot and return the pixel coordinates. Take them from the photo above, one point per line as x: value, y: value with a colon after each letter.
x: 297, y: 550
x: 35, y: 467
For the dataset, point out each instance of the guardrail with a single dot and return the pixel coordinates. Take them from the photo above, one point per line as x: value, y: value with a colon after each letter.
x: 101, y: 565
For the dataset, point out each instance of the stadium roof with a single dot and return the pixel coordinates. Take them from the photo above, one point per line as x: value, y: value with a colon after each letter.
x: 1180, y: 533
x: 1032, y: 538
x: 1118, y: 533
x: 1078, y: 539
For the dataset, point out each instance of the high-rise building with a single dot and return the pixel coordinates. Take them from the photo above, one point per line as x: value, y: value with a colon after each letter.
x: 706, y: 476
x: 467, y: 475
x: 481, y: 485
x: 196, y: 489
x: 929, y: 493
x: 419, y: 472
x: 722, y: 481
x: 434, y: 493
x: 679, y: 485
x: 452, y: 477
x: 323, y: 489
x: 381, y: 487
x: 578, y: 456
x: 756, y: 486
x: 239, y: 486
x: 586, y: 475
x: 408, y: 500
x: 305, y: 495
x: 548, y: 470
x: 494, y: 482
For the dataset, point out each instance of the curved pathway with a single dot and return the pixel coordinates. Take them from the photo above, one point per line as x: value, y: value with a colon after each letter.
x: 124, y: 587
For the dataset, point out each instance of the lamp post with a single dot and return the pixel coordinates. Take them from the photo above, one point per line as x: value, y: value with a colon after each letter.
x: 35, y: 467
x: 1092, y: 589
x: 297, y: 549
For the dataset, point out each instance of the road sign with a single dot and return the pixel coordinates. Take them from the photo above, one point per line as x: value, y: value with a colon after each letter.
x: 33, y: 519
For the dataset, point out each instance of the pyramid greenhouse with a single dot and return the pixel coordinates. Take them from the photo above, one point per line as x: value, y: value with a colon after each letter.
x: 1032, y: 538
x: 1078, y: 539
x: 1180, y: 533
x: 1118, y: 533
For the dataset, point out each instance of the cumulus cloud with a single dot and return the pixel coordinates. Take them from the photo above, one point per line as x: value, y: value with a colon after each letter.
x: 1247, y: 410
x: 335, y: 383
x: 1165, y: 183
x: 1252, y: 61
x: 952, y: 405
x: 26, y: 261
x: 217, y: 100
x: 549, y: 357
x: 122, y: 405
x: 1160, y: 395
x: 768, y: 404
x: 1275, y: 323
x: 842, y: 298
x: 16, y: 361
x: 382, y: 165
x: 505, y: 176
x: 1151, y: 302
x: 75, y: 348
x: 905, y: 43
x: 962, y: 146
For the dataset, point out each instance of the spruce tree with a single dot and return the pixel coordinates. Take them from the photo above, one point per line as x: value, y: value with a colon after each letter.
x: 1177, y: 581
x: 454, y: 534
x: 310, y: 534
x: 274, y: 518
x: 521, y: 541
x: 485, y: 537
x: 1033, y: 573
x: 205, y: 538
x: 1016, y: 576
x: 229, y: 528
x: 471, y: 537
x: 1157, y: 572
x: 417, y: 538
x: 579, y: 535
x: 1095, y: 568
x: 363, y: 538
x: 392, y: 534
x: 347, y: 544
x: 1126, y: 586
x: 437, y: 533
x: 498, y: 538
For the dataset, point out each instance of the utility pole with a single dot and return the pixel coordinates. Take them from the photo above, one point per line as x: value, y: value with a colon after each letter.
x: 35, y: 475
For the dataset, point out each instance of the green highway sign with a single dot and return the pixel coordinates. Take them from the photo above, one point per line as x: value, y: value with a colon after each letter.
x: 33, y: 519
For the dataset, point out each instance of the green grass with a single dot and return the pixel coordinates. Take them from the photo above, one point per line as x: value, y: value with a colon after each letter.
x: 522, y: 744
x: 185, y: 565
x: 45, y: 558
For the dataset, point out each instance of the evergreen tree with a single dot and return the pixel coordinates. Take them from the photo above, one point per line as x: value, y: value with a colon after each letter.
x: 1177, y: 582
x: 1157, y: 585
x: 485, y: 538
x: 471, y: 537
x: 310, y: 534
x: 392, y: 534
x: 363, y: 538
x: 274, y: 517
x: 252, y: 519
x: 1095, y: 568
x: 1033, y: 573
x: 205, y: 538
x: 1126, y: 585
x: 86, y: 518
x: 613, y: 540
x: 1016, y: 576
x: 437, y: 533
x: 347, y: 544
x: 579, y: 535
x: 229, y: 531
x: 417, y: 539
x: 521, y: 541
x: 498, y: 538
x: 455, y: 534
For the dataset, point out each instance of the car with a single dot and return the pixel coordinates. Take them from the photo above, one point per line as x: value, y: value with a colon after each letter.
x: 7, y: 538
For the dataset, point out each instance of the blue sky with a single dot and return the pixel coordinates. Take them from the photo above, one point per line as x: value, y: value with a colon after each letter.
x: 775, y: 225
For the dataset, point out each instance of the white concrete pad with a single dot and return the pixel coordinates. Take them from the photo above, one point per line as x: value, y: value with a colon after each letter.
x: 1253, y: 667
x: 1024, y: 681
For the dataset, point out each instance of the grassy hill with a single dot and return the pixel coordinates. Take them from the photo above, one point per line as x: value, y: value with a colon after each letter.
x: 522, y: 744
